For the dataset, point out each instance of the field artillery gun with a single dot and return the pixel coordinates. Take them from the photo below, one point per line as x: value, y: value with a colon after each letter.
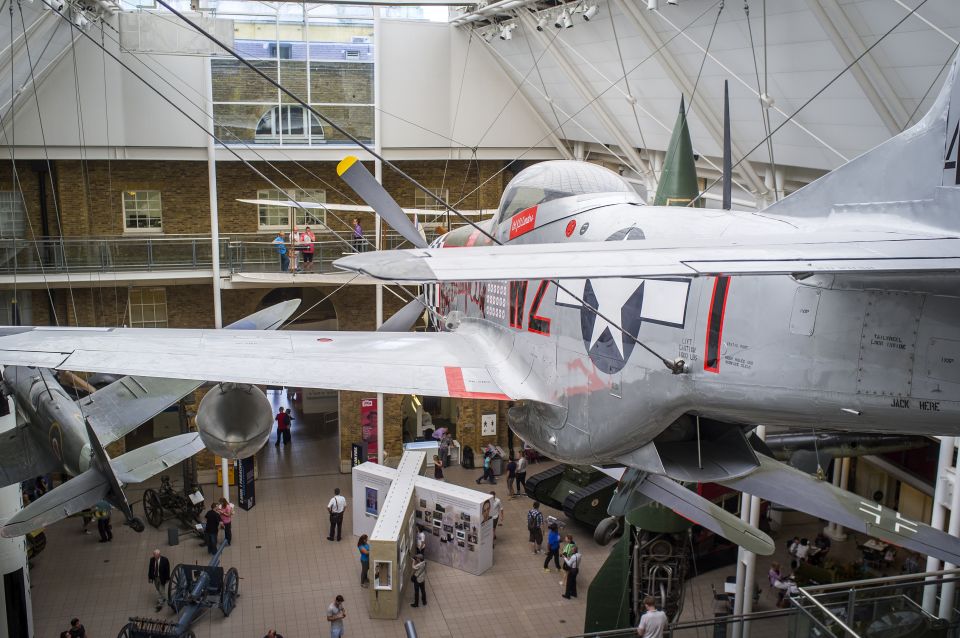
x: 192, y: 590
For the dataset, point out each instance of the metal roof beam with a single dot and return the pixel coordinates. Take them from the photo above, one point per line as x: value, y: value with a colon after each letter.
x: 683, y: 83
x: 551, y: 135
x: 884, y: 100
x: 578, y: 82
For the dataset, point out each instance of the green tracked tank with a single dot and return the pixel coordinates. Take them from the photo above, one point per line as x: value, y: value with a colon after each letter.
x: 581, y: 491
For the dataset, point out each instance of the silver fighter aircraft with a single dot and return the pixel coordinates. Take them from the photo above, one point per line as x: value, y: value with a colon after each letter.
x: 653, y: 337
x: 57, y: 434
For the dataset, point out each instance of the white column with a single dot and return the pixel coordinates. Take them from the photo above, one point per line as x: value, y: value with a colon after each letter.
x: 948, y: 589
x: 749, y: 558
x: 740, y: 591
x: 939, y: 515
x: 212, y: 186
x: 13, y: 554
x: 378, y: 174
x: 841, y: 479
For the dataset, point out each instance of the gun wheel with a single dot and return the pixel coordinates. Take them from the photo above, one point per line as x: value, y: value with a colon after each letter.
x: 178, y: 588
x: 231, y: 589
x: 152, y: 509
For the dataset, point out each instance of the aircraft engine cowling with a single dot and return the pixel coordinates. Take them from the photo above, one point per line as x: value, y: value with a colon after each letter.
x: 234, y: 420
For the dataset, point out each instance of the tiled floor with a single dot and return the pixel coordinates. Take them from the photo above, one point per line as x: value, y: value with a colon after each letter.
x: 290, y: 572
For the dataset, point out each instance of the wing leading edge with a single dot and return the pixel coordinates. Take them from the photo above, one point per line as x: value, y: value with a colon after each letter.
x: 474, y: 362
x: 752, y: 255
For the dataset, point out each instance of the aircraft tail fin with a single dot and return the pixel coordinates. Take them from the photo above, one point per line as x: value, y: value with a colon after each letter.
x: 914, y: 175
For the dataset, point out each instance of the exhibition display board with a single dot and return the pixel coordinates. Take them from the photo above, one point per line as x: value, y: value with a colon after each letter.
x: 393, y: 505
x: 392, y: 538
x: 457, y: 524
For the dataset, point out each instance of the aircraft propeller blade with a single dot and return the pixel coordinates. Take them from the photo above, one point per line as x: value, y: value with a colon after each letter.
x: 779, y: 483
x: 355, y: 174
x: 405, y: 318
x: 727, y: 153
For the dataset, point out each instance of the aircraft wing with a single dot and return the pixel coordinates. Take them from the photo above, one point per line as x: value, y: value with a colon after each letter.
x: 873, y: 252
x: 473, y: 362
x: 74, y: 496
x: 140, y: 464
x: 126, y: 404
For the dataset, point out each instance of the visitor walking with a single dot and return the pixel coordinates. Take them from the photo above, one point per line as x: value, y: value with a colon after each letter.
x: 282, y: 251
x: 357, y: 235
x: 487, y: 469
x: 335, y: 614
x: 308, y: 247
x: 283, y: 427
x: 437, y: 467
x: 419, y: 578
x: 446, y: 441
x: 212, y: 529
x: 496, y: 511
x: 521, y: 474
x: 512, y: 477
x: 364, y: 549
x: 336, y: 506
x: 573, y: 568
x: 225, y: 509
x: 535, y: 527
x: 653, y: 622
x: 158, y: 573
x: 101, y: 512
x: 553, y: 547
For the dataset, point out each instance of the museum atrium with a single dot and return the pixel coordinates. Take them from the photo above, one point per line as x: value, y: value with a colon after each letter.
x: 697, y: 360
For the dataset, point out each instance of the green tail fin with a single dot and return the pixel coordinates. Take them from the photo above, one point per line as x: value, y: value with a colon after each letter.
x: 678, y: 181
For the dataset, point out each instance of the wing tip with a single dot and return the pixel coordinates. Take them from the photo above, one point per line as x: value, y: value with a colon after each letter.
x: 345, y: 164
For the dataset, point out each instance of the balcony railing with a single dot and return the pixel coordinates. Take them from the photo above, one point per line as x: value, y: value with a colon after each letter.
x: 238, y: 254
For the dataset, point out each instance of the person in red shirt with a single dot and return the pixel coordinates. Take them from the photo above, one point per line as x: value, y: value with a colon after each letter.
x: 283, y: 427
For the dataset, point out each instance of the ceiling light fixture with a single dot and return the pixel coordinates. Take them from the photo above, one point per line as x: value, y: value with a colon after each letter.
x: 589, y: 12
x: 563, y: 20
x: 506, y: 32
x: 541, y: 23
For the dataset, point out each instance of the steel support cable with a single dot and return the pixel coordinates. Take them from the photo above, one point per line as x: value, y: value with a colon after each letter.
x: 182, y: 112
x: 601, y: 93
x: 812, y: 98
x: 587, y: 131
x: 106, y: 128
x: 930, y: 88
x: 764, y: 111
x: 536, y: 60
x: 456, y: 109
x: 632, y: 99
x: 703, y: 60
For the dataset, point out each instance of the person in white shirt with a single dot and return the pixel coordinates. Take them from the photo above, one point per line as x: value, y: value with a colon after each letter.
x: 573, y: 568
x: 496, y: 511
x: 336, y: 507
x: 421, y: 541
x: 802, y: 550
x: 653, y: 622
x: 521, y: 478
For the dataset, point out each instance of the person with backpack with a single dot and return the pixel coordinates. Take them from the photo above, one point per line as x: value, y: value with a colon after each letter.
x: 535, y: 527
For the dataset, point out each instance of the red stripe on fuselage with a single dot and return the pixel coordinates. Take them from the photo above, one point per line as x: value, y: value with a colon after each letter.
x: 458, y: 388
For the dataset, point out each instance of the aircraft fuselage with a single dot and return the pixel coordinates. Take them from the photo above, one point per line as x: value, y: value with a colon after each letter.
x: 830, y: 352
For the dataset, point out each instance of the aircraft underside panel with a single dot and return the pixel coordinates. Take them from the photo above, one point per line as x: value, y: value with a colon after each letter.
x: 888, y: 344
x: 22, y: 459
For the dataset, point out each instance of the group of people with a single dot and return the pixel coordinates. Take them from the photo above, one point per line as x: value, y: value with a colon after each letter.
x: 803, y: 551
x: 516, y: 472
x: 303, y: 249
x: 565, y: 551
x: 218, y: 517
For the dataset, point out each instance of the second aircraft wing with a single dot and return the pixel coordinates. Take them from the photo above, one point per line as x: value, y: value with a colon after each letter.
x: 474, y: 362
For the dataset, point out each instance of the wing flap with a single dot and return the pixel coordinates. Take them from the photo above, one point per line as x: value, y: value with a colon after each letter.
x: 127, y: 403
x: 75, y: 495
x: 751, y: 255
x: 780, y: 483
x: 140, y: 464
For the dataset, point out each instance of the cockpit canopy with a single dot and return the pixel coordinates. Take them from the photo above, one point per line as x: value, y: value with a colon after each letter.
x: 552, y: 180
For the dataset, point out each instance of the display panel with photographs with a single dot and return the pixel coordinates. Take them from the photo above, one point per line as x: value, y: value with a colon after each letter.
x: 382, y: 574
x: 456, y: 535
x: 371, y: 501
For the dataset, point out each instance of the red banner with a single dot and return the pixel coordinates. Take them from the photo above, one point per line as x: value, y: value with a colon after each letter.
x: 368, y: 426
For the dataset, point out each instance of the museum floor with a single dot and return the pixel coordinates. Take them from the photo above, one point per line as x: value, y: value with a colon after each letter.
x: 290, y: 572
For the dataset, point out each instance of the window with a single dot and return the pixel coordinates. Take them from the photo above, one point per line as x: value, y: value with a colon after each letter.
x: 12, y: 215
x: 148, y: 307
x: 424, y: 202
x: 286, y: 124
x: 141, y: 212
x: 278, y: 217
x: 16, y: 314
x: 322, y: 53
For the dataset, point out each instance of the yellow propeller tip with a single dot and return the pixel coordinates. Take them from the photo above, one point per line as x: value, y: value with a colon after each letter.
x: 345, y: 164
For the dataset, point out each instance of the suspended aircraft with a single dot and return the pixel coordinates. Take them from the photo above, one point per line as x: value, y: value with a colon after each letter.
x: 653, y: 337
x: 55, y: 433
